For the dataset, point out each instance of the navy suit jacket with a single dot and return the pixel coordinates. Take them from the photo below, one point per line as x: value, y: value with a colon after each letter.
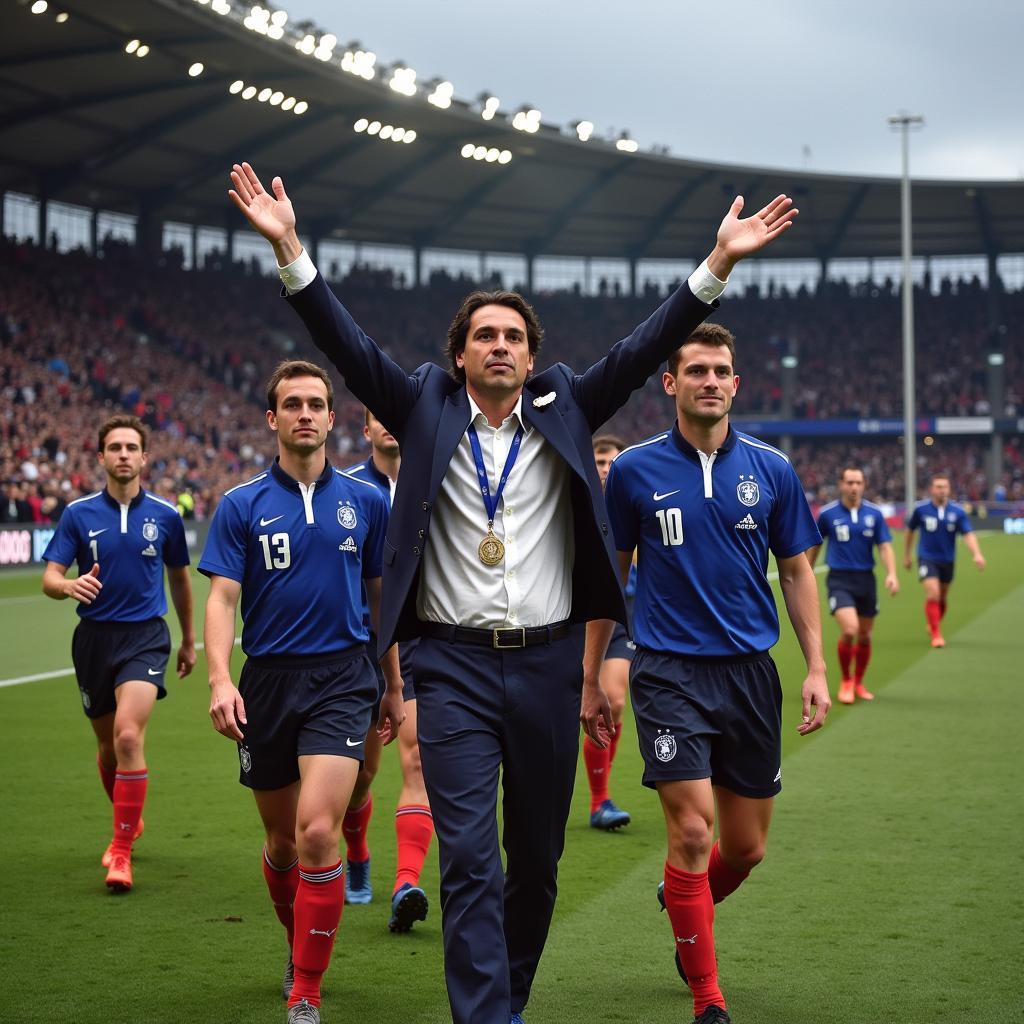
x: 428, y: 412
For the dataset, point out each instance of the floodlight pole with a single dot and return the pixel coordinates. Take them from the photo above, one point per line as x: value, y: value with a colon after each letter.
x: 904, y: 123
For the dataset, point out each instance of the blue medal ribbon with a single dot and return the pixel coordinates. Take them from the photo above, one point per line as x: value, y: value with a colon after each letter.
x: 491, y: 504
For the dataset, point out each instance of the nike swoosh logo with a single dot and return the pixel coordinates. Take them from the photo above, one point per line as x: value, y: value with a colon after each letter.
x: 96, y: 533
x: 153, y: 671
x: 349, y: 743
x: 267, y: 522
x: 667, y: 494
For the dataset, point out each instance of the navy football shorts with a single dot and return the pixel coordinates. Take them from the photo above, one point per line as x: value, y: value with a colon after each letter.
x: 303, y: 705
x: 107, y: 654
x: 853, y: 589
x: 717, y: 718
x: 620, y: 646
x: 943, y: 571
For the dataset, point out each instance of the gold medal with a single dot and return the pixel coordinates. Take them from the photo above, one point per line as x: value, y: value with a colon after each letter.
x: 491, y: 550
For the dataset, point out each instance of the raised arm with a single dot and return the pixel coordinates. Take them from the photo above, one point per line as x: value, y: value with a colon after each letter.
x: 605, y: 387
x: 371, y: 375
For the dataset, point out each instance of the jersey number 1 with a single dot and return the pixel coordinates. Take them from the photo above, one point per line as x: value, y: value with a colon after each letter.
x: 281, y: 556
x: 671, y: 522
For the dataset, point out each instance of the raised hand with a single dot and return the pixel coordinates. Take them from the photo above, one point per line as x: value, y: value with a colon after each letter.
x: 738, y: 237
x: 270, y: 214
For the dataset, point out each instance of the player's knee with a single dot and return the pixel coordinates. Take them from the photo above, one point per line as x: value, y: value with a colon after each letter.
x: 746, y: 856
x: 281, y: 848
x: 618, y: 705
x: 127, y: 741
x: 691, y: 838
x: 361, y: 790
x: 847, y: 636
x: 316, y: 839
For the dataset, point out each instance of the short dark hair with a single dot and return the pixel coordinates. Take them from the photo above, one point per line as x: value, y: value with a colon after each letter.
x: 605, y: 441
x: 459, y: 328
x: 714, y: 335
x: 940, y: 476
x: 123, y: 420
x: 297, y: 368
x: 852, y: 469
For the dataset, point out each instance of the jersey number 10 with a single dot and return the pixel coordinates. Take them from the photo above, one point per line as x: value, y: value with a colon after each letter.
x: 671, y: 522
x: 281, y: 556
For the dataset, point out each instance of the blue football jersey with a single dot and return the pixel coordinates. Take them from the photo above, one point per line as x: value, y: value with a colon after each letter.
x: 132, y: 544
x: 939, y: 527
x: 369, y: 473
x: 301, y: 554
x: 703, y: 526
x: 852, y: 534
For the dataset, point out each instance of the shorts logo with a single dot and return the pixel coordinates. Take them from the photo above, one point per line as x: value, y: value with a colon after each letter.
x: 347, y: 516
x: 748, y: 492
x: 86, y: 703
x: 833, y: 602
x: 665, y: 746
x: 150, y: 531
x: 922, y: 571
x: 150, y: 551
x: 245, y: 759
x: 348, y: 545
x: 778, y: 776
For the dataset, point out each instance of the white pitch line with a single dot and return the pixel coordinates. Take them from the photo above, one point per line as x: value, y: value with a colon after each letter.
x: 60, y: 672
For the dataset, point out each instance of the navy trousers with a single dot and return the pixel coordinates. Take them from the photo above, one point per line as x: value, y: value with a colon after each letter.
x: 484, y: 713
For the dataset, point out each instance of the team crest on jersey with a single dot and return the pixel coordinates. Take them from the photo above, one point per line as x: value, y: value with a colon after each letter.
x: 869, y: 521
x: 748, y: 492
x: 245, y: 759
x: 665, y: 746
x: 347, y: 516
x: 150, y: 531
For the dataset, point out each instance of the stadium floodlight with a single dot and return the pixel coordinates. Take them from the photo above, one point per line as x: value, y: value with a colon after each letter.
x: 142, y: 50
x: 249, y: 92
x: 373, y: 128
x: 489, y: 106
x: 287, y: 103
x: 325, y: 48
x: 526, y: 119
x: 625, y: 144
x: 62, y: 17
x: 583, y: 130
x: 275, y: 98
x: 306, y: 45
x: 492, y: 154
x: 131, y: 46
x: 257, y: 20
x: 220, y: 7
x: 265, y: 93
x: 39, y: 7
x: 357, y: 61
x: 301, y: 107
x: 409, y: 136
x: 361, y: 125
x: 196, y: 70
x: 467, y: 150
x: 504, y: 156
x: 480, y: 153
x: 279, y: 19
x: 397, y: 135
x: 236, y: 87
x: 442, y: 95
x: 403, y: 80
x: 385, y: 132
x: 996, y: 359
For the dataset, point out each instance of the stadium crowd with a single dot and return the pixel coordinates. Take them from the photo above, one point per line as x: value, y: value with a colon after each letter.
x: 81, y: 337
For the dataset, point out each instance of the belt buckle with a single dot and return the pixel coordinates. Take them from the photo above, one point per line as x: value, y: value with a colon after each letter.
x: 518, y: 639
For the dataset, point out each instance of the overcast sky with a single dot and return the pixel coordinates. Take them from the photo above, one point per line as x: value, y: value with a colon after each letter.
x: 739, y: 83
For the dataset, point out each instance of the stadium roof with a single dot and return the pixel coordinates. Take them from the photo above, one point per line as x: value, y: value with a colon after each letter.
x: 85, y: 121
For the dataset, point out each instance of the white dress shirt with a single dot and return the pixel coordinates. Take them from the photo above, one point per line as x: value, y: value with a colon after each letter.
x: 532, y: 585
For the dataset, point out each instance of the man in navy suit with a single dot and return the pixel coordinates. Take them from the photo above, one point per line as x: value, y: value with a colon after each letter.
x: 498, y: 545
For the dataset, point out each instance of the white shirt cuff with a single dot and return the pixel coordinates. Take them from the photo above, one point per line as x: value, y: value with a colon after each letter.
x: 702, y: 283
x: 301, y: 271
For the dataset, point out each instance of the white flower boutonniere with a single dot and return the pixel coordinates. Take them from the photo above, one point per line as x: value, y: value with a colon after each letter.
x: 539, y: 403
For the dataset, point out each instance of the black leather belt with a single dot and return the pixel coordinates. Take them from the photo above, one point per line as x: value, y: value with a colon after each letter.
x: 508, y: 639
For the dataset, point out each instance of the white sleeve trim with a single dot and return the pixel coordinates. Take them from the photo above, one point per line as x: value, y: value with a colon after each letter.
x: 298, y: 274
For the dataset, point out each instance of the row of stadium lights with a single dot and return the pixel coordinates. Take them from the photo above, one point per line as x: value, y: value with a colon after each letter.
x: 385, y: 132
x: 362, y: 63
x: 274, y: 97
x: 41, y: 7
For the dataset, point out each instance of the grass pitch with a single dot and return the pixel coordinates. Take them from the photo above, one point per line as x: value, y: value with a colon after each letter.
x: 890, y: 891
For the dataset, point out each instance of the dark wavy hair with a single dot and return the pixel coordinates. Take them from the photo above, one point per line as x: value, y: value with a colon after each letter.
x: 714, y: 335
x: 459, y: 329
x: 124, y: 420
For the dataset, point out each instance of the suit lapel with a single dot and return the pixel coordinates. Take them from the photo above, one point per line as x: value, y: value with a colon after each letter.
x: 450, y: 428
x: 549, y: 423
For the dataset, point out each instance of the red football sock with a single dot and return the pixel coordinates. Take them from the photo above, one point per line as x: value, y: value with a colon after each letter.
x: 845, y: 656
x: 692, y: 913
x: 942, y: 609
x: 613, y: 746
x: 723, y: 878
x: 318, y: 902
x: 282, y: 883
x: 863, y: 656
x: 107, y: 777
x: 933, y: 613
x: 355, y: 825
x: 414, y: 826
x: 129, y: 796
x: 598, y: 762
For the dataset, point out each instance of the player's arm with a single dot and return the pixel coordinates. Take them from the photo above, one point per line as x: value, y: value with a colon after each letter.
x: 392, y: 705
x: 908, y: 544
x: 180, y: 583
x: 595, y: 711
x: 227, y: 709
x: 971, y: 540
x: 888, y: 556
x: 812, y: 554
x: 83, y: 588
x: 800, y: 591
